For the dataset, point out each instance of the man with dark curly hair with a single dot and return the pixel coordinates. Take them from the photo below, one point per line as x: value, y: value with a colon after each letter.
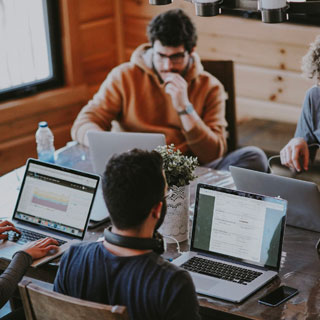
x: 164, y: 89
x: 296, y: 154
x: 123, y: 269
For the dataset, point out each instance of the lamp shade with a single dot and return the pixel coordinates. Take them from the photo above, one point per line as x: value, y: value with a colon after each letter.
x: 207, y: 8
x: 273, y: 4
x: 160, y: 2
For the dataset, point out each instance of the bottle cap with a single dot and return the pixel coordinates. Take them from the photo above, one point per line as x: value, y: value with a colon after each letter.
x: 43, y: 124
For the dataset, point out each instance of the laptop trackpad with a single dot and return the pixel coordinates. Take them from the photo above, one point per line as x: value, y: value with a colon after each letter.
x: 204, y: 284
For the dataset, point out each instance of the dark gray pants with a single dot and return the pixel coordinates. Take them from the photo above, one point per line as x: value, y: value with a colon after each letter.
x: 247, y: 157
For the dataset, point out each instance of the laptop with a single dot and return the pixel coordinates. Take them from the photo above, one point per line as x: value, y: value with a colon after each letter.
x: 303, y: 196
x: 103, y: 145
x: 236, y: 242
x: 53, y: 201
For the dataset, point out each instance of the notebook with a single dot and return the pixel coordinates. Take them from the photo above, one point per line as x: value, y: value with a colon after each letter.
x: 104, y: 144
x: 303, y: 196
x: 53, y: 201
x: 236, y: 242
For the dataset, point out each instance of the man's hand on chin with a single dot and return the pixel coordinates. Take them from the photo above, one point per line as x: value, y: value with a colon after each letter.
x: 177, y: 88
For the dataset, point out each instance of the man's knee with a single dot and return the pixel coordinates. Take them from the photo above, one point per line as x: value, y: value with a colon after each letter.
x: 252, y: 157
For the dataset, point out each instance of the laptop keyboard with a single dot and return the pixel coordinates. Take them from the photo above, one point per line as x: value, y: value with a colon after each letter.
x: 27, y: 236
x: 220, y: 270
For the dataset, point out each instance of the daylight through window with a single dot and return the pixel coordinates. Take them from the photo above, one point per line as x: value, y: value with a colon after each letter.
x: 25, y: 45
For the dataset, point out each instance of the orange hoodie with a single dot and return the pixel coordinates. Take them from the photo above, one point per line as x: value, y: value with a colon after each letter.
x: 134, y: 95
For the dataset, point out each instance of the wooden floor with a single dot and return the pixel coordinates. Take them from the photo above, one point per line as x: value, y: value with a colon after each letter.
x: 271, y: 137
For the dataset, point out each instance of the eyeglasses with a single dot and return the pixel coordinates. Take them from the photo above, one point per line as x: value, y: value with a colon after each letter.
x: 176, y: 58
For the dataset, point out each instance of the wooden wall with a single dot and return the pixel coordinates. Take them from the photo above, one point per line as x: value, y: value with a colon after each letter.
x: 90, y: 50
x: 99, y: 34
x: 97, y: 28
x: 267, y: 56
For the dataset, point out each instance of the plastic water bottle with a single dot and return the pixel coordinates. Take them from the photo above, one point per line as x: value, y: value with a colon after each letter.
x: 44, y: 139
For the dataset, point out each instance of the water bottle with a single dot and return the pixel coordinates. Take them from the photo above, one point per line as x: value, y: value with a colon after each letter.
x: 44, y: 139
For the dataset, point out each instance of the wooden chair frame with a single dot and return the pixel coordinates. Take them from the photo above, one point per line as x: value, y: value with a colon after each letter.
x: 41, y: 303
x: 223, y: 70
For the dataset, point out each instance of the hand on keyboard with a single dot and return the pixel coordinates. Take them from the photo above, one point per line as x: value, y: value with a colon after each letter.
x: 41, y: 248
x: 29, y: 236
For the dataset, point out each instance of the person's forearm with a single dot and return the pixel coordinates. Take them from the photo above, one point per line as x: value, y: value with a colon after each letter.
x: 12, y: 275
x: 189, y: 121
x: 205, y: 143
x: 94, y: 116
x: 91, y: 117
x: 79, y: 132
x: 101, y: 110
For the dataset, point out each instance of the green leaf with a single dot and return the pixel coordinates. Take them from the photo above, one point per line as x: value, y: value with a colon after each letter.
x: 177, y: 167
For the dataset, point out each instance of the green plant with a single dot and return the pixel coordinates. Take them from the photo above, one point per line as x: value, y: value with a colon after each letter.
x: 177, y: 167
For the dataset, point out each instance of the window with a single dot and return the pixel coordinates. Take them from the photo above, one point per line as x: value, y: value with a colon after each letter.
x: 30, y: 52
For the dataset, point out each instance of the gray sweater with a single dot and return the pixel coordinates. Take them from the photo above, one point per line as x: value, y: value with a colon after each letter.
x: 13, y: 274
x: 308, y: 126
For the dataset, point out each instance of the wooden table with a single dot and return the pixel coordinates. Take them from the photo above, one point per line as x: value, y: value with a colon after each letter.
x: 300, y: 264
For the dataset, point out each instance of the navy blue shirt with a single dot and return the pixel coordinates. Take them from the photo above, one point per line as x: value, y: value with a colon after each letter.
x: 149, y: 286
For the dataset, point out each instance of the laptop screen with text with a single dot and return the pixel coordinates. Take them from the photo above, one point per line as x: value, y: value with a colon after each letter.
x: 244, y: 226
x: 56, y: 198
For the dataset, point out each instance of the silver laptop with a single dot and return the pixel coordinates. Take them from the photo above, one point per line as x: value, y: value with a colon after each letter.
x: 303, y: 196
x: 236, y: 242
x: 53, y: 201
x: 104, y: 144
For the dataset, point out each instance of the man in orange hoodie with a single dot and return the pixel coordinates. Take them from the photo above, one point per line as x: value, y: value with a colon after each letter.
x: 164, y: 89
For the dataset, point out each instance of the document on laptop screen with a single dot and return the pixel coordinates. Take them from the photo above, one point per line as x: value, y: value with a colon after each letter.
x: 239, y: 226
x: 56, y: 199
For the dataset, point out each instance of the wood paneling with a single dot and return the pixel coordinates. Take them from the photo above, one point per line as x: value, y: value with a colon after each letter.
x: 11, y: 151
x: 256, y: 52
x: 91, y: 10
x: 99, y: 34
x: 95, y: 78
x: 251, y: 52
x: 28, y: 125
x: 253, y: 108
x: 97, y: 67
x: 97, y: 37
x: 19, y: 123
x: 99, y: 50
x: 90, y: 50
x: 50, y: 100
x: 119, y: 22
x: 129, y: 53
x: 135, y: 32
x: 227, y: 25
x: 141, y: 9
x: 267, y: 56
x: 271, y: 85
x: 70, y: 42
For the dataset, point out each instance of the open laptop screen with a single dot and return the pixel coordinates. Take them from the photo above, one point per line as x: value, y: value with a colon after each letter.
x: 244, y: 226
x: 104, y: 144
x: 56, y: 198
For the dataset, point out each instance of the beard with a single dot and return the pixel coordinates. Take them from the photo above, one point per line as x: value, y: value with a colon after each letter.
x: 162, y: 215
